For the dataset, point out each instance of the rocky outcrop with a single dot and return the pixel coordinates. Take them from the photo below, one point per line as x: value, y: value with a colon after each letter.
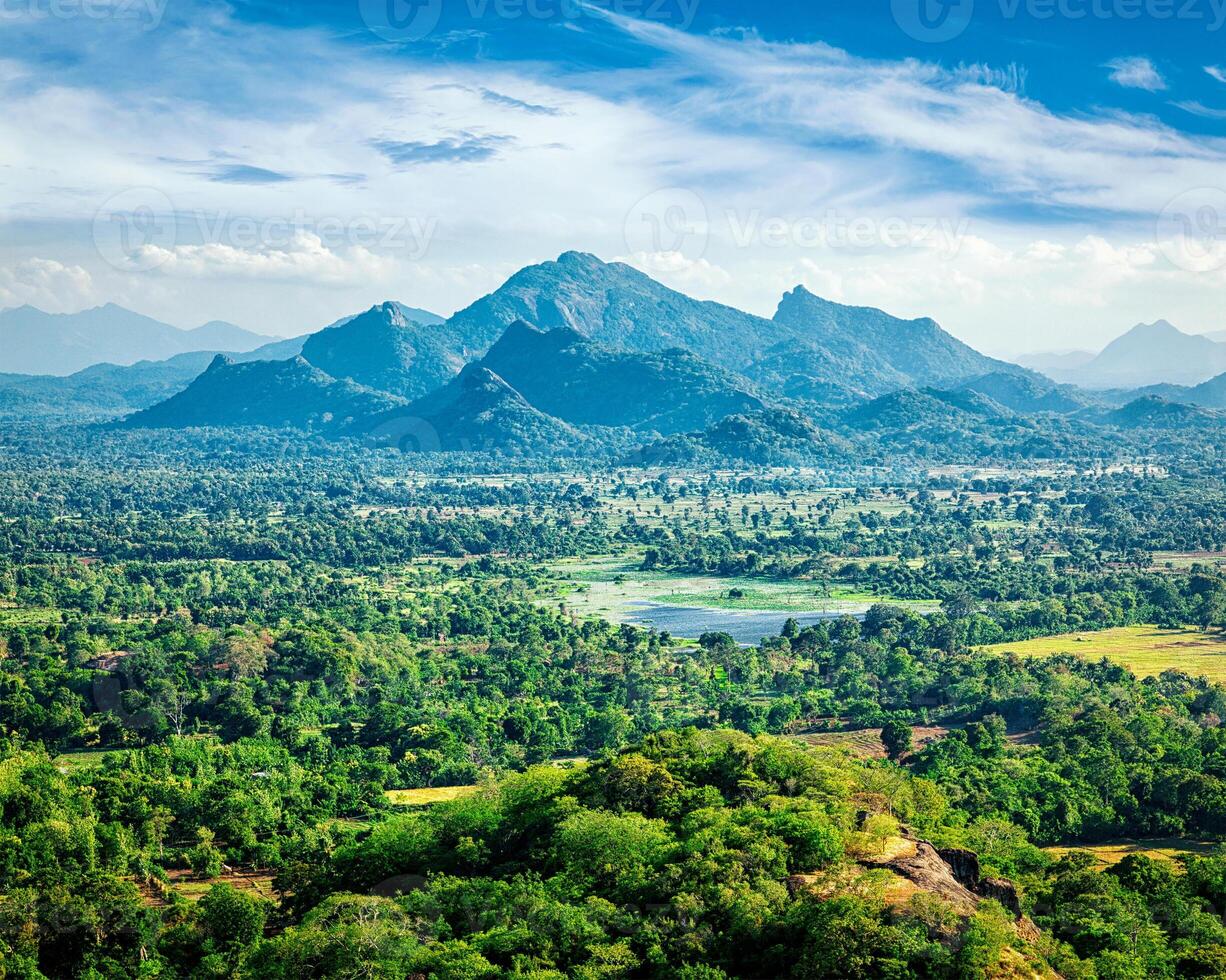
x: 928, y: 870
x: 965, y: 867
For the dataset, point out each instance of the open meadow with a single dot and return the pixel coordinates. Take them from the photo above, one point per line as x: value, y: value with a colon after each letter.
x: 1145, y: 650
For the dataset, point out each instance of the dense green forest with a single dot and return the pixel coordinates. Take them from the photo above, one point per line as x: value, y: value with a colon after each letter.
x: 288, y: 709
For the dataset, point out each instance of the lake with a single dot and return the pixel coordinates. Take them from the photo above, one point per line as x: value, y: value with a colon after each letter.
x: 745, y: 626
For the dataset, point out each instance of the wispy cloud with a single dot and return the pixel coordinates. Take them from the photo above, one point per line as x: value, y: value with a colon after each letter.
x: 466, y: 148
x: 1010, y: 79
x: 1214, y: 72
x: 241, y: 173
x: 1199, y: 109
x: 497, y: 98
x: 1136, y: 73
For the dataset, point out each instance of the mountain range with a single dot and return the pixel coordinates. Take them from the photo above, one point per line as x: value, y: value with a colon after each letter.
x: 608, y: 350
x: 36, y: 343
x: 580, y: 356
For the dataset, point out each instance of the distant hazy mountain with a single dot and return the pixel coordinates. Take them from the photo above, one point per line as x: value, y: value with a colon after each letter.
x: 474, y: 412
x: 567, y: 376
x: 1153, y: 353
x: 278, y: 350
x: 1148, y: 354
x: 104, y: 391
x: 1207, y: 394
x: 1055, y: 363
x: 269, y: 393
x: 387, y: 349
x: 98, y: 392
x: 34, y: 342
x: 220, y: 335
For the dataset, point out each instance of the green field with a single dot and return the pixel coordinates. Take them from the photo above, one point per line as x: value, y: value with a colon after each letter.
x: 1145, y: 650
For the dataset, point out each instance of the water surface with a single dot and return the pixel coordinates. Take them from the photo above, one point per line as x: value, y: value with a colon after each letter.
x: 746, y: 626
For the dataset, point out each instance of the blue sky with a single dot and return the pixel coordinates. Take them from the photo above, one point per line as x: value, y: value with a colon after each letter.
x: 1036, y: 174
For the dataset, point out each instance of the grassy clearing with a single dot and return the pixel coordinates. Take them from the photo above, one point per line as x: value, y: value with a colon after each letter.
x: 348, y: 823
x: 1145, y: 650
x: 258, y: 883
x: 84, y: 760
x: 613, y: 587
x: 1186, y: 559
x: 1109, y: 854
x: 427, y: 797
x: 866, y: 742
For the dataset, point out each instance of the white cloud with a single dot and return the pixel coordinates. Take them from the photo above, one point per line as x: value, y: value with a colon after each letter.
x: 1136, y: 73
x: 304, y: 259
x: 1215, y: 72
x: 47, y: 284
x: 1044, y: 251
x: 676, y: 270
x: 1199, y: 109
